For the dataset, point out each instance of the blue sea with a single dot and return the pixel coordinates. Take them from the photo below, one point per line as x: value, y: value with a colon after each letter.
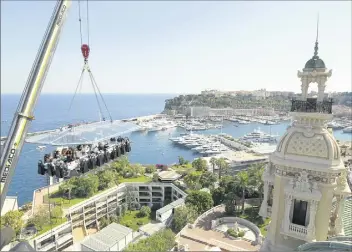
x: 52, y: 111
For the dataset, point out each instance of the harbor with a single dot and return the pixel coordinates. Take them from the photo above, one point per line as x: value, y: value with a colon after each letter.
x: 219, y: 170
x: 155, y: 146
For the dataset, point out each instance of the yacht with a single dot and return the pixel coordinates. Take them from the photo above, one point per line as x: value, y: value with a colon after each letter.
x: 189, y: 138
x: 269, y: 122
x: 335, y: 125
x: 201, y: 148
x: 208, y: 146
x: 259, y: 136
x: 347, y: 129
x: 211, y: 151
x: 243, y: 122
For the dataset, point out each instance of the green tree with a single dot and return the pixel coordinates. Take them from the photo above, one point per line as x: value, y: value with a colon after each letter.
x: 150, y: 169
x: 130, y: 198
x: 57, y: 212
x: 106, y: 179
x: 104, y: 222
x: 145, y: 211
x: 137, y: 169
x: 213, y: 162
x: 242, y: 179
x: 222, y: 165
x: 201, y: 201
x: 181, y: 160
x: 200, y: 164
x: 161, y: 241
x: 115, y: 219
x: 218, y: 195
x: 182, y: 216
x: 123, y: 209
x: 120, y: 165
x: 86, y: 186
x: 255, y: 181
x: 230, y: 206
x: 192, y: 180
x: 14, y: 220
x: 207, y: 179
x: 68, y: 186
x: 40, y: 218
x: 155, y: 177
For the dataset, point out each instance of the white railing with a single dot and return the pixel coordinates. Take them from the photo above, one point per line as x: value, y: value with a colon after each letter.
x: 212, y: 210
x: 96, y: 197
x: 52, y: 188
x: 246, y: 223
x: 297, y: 229
x: 55, y: 230
x: 64, y: 238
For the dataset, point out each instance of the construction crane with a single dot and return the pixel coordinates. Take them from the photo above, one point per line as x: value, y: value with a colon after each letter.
x: 35, y: 82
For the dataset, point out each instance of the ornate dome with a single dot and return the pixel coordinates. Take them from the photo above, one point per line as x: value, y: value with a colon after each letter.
x: 315, y: 62
x: 311, y: 148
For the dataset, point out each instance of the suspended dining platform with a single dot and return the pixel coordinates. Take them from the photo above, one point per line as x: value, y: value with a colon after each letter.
x: 84, y: 133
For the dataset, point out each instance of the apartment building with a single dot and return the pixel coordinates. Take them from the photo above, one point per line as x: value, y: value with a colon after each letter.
x: 110, y: 202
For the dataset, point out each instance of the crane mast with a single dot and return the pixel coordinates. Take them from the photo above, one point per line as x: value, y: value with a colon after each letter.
x: 35, y: 82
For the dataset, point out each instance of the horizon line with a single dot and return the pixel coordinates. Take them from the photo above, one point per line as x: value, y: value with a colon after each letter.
x: 101, y: 93
x: 176, y: 93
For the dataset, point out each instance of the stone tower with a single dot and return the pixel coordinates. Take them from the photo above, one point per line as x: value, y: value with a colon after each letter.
x: 305, y: 175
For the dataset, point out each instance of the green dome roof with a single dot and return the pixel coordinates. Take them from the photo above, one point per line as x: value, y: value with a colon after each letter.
x: 315, y: 62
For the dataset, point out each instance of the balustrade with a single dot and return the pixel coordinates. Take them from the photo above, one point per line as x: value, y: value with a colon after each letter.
x: 298, y: 230
x: 312, y: 106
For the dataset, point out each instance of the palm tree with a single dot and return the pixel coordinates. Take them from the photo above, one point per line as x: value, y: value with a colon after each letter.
x: 243, y: 180
x: 213, y: 161
x: 222, y: 165
x: 255, y: 174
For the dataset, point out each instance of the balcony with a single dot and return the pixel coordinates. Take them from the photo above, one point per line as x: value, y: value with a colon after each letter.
x: 144, y: 194
x: 63, y: 238
x: 312, y: 106
x: 157, y: 194
x: 296, y: 231
x: 47, y: 246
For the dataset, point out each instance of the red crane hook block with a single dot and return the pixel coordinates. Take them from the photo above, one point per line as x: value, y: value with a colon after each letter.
x: 85, y: 51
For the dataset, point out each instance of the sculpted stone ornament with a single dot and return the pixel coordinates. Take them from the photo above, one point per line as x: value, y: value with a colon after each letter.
x: 314, y: 73
x: 341, y: 181
x: 302, y: 183
x: 332, y: 225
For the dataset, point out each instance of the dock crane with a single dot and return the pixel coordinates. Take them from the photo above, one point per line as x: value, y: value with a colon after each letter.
x: 35, y: 82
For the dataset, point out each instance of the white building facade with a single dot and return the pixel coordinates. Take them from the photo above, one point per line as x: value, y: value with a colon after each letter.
x: 87, y: 213
x: 305, y: 175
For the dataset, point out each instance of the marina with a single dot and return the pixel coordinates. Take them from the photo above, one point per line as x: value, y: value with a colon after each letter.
x: 204, y: 145
x: 243, y: 170
x: 148, y: 147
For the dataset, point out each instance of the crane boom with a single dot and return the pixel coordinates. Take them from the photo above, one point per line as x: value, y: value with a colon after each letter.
x: 35, y: 82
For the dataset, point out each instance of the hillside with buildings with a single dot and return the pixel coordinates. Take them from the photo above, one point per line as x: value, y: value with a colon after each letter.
x: 279, y: 101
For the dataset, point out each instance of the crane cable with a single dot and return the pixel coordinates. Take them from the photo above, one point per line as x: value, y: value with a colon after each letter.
x: 86, y: 67
x: 80, y: 20
x: 102, y: 98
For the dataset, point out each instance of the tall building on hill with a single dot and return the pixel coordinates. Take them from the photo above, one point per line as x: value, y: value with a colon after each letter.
x: 305, y: 180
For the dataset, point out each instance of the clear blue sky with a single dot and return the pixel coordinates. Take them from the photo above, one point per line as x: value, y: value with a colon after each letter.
x: 180, y: 47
